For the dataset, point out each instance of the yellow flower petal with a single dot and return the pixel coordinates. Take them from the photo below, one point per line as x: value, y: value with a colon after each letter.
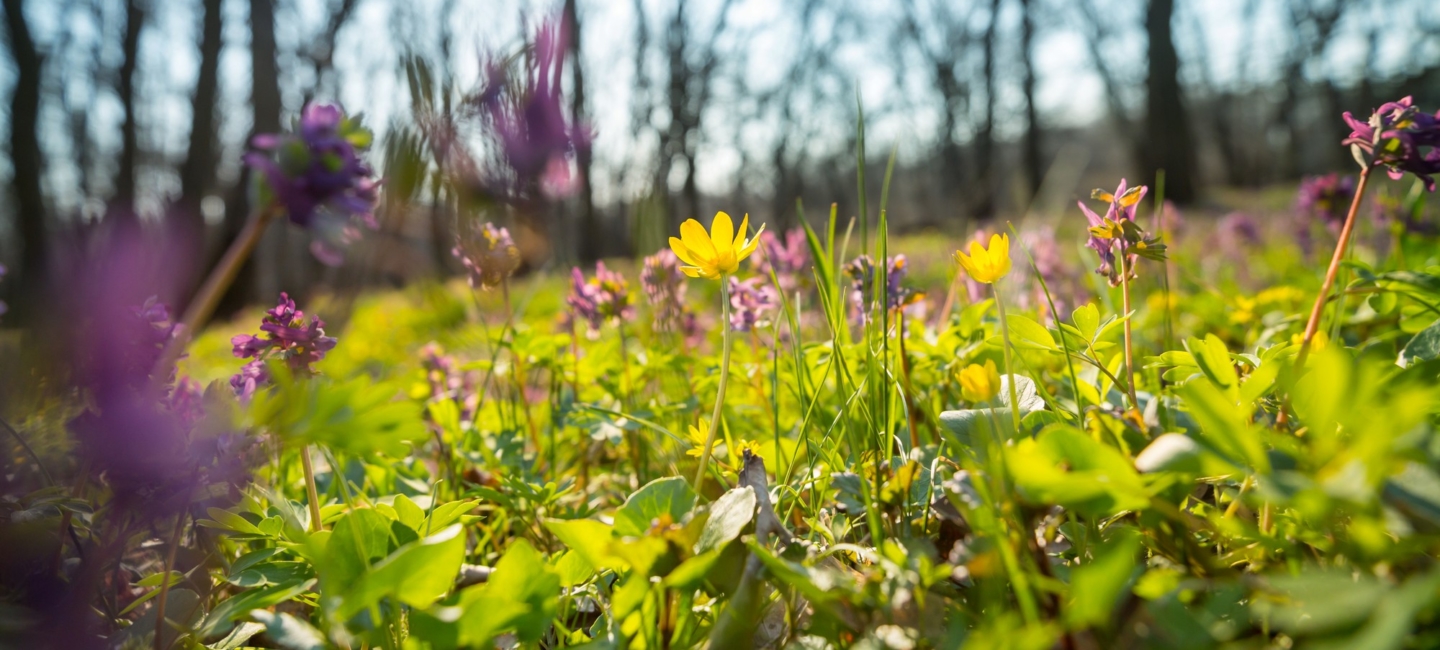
x: 722, y: 234
x: 739, y: 241
x: 681, y: 251
x: 692, y: 271
x: 695, y: 237
x: 751, y: 245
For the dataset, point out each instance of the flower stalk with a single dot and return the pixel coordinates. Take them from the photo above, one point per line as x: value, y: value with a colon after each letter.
x: 729, y: 340
x: 1129, y: 345
x: 1009, y: 367
x: 311, y: 494
x: 1313, y: 324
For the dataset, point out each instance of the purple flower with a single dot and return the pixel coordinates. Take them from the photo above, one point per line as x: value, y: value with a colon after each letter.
x: 317, y: 175
x: 862, y: 286
x: 1325, y: 199
x: 489, y: 255
x: 605, y: 297
x: 664, y: 287
x: 526, y: 117
x: 1120, y: 207
x: 447, y: 380
x: 3, y: 307
x: 1402, y: 213
x: 1237, y: 231
x: 284, y: 336
x: 750, y: 301
x: 788, y: 259
x: 1400, y: 137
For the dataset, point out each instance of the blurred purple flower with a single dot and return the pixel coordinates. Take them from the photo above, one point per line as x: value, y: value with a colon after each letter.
x: 3, y: 307
x: 605, y: 297
x: 1120, y: 206
x: 788, y: 258
x: 489, y: 255
x: 447, y: 380
x: 1325, y: 199
x: 750, y: 301
x: 862, y: 286
x: 285, y: 336
x: 317, y: 175
x: 1236, y: 232
x: 527, y: 117
x: 664, y: 287
x: 1401, y: 213
x: 1400, y: 137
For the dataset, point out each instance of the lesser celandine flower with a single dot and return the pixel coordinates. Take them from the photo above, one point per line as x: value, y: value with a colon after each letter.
x: 716, y: 253
x: 987, y: 264
x: 979, y: 383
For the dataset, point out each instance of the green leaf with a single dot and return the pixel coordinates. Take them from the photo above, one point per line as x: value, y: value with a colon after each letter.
x: 358, y: 540
x: 1224, y: 426
x: 239, y: 605
x: 417, y: 574
x: 289, y: 632
x: 522, y: 595
x: 590, y: 538
x: 663, y: 497
x: 1425, y: 346
x: 410, y: 514
x: 573, y: 569
x: 238, y: 637
x: 1087, y: 321
x: 226, y: 520
x: 731, y: 513
x: 1214, y: 360
x: 1096, y: 586
x: 1026, y: 334
x: 1063, y: 466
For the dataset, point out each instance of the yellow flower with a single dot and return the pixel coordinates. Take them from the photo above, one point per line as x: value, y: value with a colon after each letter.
x: 979, y: 383
x: 697, y: 437
x: 742, y: 445
x: 987, y: 266
x: 1316, y: 344
x: 717, y: 253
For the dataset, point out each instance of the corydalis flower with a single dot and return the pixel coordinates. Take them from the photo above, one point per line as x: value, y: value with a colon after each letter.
x: 1401, y: 138
x: 750, y: 302
x: 787, y: 258
x: 537, y: 140
x: 604, y: 297
x: 1325, y: 198
x: 489, y: 255
x: 1118, y: 230
x: 664, y: 286
x: 862, y: 285
x: 316, y: 174
x: 447, y: 380
x: 286, y: 336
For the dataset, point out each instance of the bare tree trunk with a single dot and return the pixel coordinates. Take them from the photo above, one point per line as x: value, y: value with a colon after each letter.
x: 25, y: 155
x: 265, y: 110
x: 197, y: 175
x: 122, y: 204
x: 1034, y: 168
x: 1168, y: 143
x: 591, y: 236
x: 984, y: 204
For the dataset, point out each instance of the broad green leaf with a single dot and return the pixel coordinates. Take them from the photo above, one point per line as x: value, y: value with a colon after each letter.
x: 220, y: 618
x: 1026, y: 334
x: 410, y: 514
x: 573, y: 569
x: 522, y: 596
x: 1423, y: 347
x: 590, y: 538
x: 417, y: 574
x: 665, y: 497
x: 289, y: 632
x: 238, y: 637
x: 1096, y: 586
x: 1318, y: 601
x: 1063, y: 466
x: 1214, y: 360
x: 1224, y: 426
x: 731, y: 513
x: 1087, y: 320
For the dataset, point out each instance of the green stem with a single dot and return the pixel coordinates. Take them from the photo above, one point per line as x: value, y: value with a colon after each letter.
x: 311, y: 494
x: 1129, y: 347
x: 1009, y: 367
x: 724, y: 379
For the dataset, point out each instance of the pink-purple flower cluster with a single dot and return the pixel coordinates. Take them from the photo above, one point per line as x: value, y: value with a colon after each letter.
x: 1400, y: 137
x: 447, y: 380
x: 317, y: 175
x: 489, y: 255
x: 863, y: 295
x: 664, y: 287
x: 1120, y: 206
x: 526, y: 117
x: 788, y: 257
x: 286, y: 336
x: 600, y: 299
x: 750, y: 302
x: 1325, y: 199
